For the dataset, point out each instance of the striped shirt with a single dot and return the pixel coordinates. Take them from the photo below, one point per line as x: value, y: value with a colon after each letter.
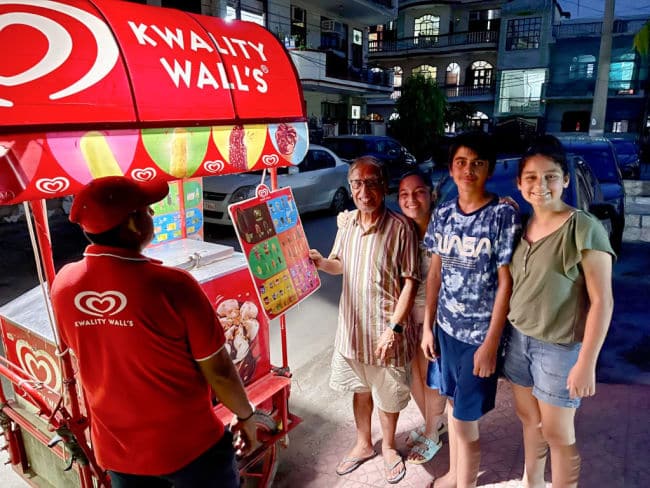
x: 375, y: 262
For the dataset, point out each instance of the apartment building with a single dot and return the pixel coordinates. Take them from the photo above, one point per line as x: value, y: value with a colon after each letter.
x: 520, y: 66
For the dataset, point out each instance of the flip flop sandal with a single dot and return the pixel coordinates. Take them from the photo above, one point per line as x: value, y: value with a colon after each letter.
x: 398, y: 477
x: 354, y: 463
x: 426, y: 448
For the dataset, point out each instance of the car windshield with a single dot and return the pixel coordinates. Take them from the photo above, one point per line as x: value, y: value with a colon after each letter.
x: 601, y: 160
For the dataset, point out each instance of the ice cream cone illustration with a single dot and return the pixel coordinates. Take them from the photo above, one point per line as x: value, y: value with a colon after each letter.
x: 98, y: 155
x: 178, y: 156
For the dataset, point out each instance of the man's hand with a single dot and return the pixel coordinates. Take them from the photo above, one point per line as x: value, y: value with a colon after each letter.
x: 485, y: 360
x: 245, y: 433
x: 428, y: 345
x: 387, y: 344
x: 316, y: 257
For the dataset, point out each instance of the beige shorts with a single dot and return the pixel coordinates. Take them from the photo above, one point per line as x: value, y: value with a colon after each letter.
x: 389, y: 385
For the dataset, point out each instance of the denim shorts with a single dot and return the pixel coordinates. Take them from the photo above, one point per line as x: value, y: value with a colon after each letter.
x: 473, y: 396
x: 541, y: 365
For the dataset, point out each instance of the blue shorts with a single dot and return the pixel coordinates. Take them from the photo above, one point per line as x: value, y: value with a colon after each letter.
x: 215, y: 467
x: 473, y: 396
x: 541, y: 365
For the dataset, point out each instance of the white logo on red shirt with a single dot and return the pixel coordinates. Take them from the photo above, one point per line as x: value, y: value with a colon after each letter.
x: 104, y: 304
x: 60, y: 45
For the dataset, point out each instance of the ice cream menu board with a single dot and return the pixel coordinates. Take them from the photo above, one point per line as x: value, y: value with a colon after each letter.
x: 184, y: 200
x: 273, y: 240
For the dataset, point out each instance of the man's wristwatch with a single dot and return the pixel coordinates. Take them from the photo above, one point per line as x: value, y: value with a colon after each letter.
x: 397, y: 328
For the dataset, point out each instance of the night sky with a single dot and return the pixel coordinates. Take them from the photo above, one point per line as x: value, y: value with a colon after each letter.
x: 595, y: 8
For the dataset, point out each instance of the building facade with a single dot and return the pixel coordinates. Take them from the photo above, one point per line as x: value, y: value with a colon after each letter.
x: 519, y: 67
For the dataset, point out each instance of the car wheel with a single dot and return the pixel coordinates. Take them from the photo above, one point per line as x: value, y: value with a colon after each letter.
x: 339, y: 201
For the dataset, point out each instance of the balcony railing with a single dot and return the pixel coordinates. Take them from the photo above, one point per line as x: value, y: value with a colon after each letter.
x: 317, y: 65
x: 586, y: 88
x: 587, y: 29
x: 433, y: 42
x: 469, y: 91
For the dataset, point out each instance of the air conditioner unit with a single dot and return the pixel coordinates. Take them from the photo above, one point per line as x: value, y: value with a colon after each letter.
x: 297, y: 15
x: 332, y: 27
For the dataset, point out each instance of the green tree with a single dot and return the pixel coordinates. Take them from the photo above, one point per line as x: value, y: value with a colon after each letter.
x: 459, y: 113
x: 421, y: 115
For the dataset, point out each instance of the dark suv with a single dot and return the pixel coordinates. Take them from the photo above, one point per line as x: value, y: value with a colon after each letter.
x: 600, y: 155
x: 584, y: 191
x: 386, y: 149
x: 627, y: 152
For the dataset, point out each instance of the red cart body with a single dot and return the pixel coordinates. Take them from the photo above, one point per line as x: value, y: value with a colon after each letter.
x: 112, y: 88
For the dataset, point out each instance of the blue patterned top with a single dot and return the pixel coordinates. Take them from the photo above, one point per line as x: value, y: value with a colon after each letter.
x: 472, y: 248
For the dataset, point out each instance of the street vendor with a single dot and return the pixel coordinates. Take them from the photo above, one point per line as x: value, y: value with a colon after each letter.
x: 148, y: 346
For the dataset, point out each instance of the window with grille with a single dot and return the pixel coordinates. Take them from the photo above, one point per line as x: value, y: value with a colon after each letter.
x: 481, y: 73
x: 523, y: 34
x: 425, y: 70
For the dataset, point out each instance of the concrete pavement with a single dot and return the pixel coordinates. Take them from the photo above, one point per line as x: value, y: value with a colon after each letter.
x: 612, y: 428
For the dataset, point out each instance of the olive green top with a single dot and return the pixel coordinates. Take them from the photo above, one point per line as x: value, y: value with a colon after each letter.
x: 549, y: 296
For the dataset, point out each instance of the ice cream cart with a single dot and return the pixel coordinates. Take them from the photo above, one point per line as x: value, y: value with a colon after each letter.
x: 99, y: 88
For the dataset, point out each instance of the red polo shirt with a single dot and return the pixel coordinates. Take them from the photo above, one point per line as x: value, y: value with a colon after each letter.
x: 138, y: 329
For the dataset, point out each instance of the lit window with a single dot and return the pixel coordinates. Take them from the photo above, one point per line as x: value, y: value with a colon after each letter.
x: 453, y: 75
x: 481, y: 73
x: 425, y: 70
x: 397, y: 77
x: 620, y: 126
x: 427, y: 25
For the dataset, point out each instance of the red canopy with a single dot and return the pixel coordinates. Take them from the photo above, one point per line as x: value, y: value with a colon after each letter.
x: 110, y: 87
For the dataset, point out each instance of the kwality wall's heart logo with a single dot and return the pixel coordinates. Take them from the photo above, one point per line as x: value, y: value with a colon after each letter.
x: 145, y: 174
x: 53, y: 185
x: 39, y: 363
x: 213, y: 166
x: 270, y: 159
x: 98, y: 304
x: 59, y: 44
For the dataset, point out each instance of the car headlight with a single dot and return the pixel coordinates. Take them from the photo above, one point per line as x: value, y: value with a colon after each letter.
x: 242, y: 193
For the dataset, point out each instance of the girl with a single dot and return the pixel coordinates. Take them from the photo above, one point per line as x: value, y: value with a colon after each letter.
x: 560, y: 311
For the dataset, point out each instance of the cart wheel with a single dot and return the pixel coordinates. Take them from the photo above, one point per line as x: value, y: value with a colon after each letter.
x: 261, y: 471
x: 258, y: 470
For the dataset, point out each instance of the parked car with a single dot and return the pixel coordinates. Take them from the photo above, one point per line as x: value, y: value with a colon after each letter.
x: 584, y: 191
x: 386, y: 149
x: 600, y: 155
x: 627, y: 152
x: 318, y: 182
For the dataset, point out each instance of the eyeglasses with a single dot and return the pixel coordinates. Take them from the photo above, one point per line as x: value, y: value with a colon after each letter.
x: 370, y: 184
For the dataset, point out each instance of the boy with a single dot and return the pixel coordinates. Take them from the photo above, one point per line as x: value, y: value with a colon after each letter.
x: 471, y: 239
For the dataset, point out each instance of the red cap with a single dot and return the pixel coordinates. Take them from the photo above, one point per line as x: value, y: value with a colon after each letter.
x: 105, y: 203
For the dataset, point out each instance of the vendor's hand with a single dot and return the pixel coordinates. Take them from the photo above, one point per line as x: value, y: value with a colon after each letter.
x: 485, y: 360
x: 343, y: 218
x: 316, y: 257
x: 387, y: 345
x: 245, y: 433
x: 428, y: 345
x: 581, y: 381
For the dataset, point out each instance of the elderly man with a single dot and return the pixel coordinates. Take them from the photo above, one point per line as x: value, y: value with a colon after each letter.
x: 148, y: 346
x: 376, y: 251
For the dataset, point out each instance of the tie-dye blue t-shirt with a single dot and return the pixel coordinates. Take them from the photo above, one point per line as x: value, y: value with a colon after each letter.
x: 472, y: 247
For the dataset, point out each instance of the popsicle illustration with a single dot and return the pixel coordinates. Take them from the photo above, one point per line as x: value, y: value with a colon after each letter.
x: 178, y: 156
x: 98, y: 155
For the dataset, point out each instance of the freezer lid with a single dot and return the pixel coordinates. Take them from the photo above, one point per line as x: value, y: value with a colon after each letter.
x: 92, y: 89
x: 189, y: 253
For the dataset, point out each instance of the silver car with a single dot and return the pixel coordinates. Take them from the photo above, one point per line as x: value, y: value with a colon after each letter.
x: 319, y: 182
